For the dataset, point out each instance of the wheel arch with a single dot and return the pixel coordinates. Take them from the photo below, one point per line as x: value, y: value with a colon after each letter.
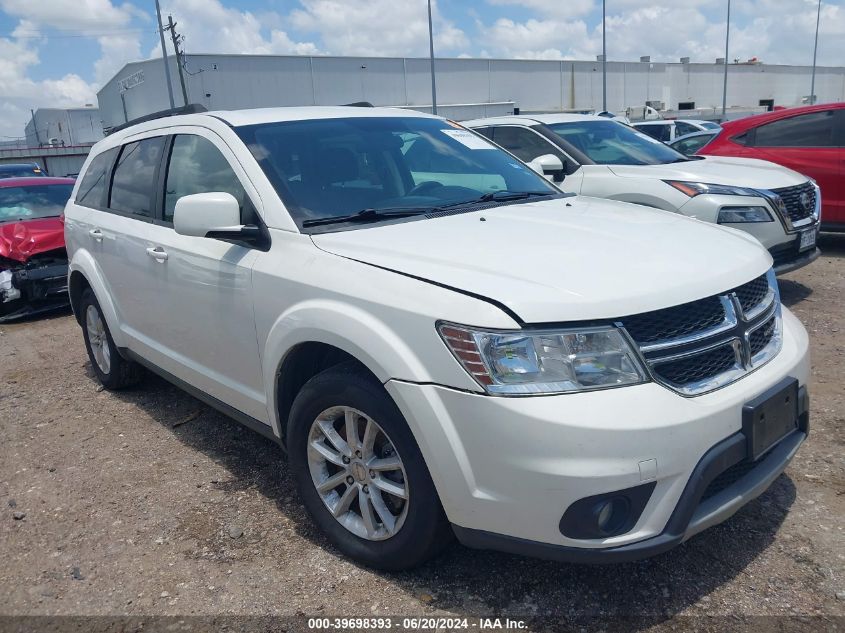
x: 85, y: 273
x: 301, y: 363
x: 335, y: 333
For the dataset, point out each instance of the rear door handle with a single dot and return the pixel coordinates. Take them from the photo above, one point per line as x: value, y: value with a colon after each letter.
x: 157, y: 253
x: 97, y: 234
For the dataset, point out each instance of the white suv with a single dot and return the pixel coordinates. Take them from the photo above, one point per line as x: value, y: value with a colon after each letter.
x: 594, y: 156
x: 443, y: 342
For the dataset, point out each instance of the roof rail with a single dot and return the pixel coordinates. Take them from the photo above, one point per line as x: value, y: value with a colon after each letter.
x: 191, y: 108
x: 359, y: 104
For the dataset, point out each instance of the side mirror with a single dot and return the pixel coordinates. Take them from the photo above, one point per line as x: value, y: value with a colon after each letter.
x: 549, y: 166
x: 215, y: 214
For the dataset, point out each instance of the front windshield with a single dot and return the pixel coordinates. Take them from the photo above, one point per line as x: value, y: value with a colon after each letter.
x: 329, y: 168
x: 33, y: 201
x: 613, y: 143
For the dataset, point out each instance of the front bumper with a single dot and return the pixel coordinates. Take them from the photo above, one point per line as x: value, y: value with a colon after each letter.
x: 34, y: 289
x: 787, y: 257
x: 506, y: 469
x: 691, y: 515
x: 778, y: 236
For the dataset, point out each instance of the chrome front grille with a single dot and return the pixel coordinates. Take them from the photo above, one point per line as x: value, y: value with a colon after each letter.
x: 799, y: 201
x: 706, y: 344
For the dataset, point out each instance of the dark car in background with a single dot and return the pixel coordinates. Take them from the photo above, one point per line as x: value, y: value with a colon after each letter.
x: 808, y: 139
x: 689, y: 144
x: 22, y: 170
x: 33, y: 260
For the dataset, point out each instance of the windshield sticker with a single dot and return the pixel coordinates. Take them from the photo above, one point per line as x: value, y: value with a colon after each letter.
x: 467, y: 138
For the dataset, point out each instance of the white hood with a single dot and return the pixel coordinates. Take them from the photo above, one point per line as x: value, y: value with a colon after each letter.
x: 569, y: 259
x: 718, y: 170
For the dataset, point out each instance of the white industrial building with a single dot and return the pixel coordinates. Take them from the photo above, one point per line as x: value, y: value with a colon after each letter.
x: 66, y: 127
x: 57, y: 139
x: 465, y: 87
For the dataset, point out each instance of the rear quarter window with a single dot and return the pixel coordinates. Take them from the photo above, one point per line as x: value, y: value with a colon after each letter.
x: 92, y: 189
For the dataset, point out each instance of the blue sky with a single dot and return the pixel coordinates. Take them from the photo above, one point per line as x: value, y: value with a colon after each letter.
x: 58, y: 52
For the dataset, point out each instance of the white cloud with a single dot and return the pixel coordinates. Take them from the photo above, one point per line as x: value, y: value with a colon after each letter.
x: 559, y: 10
x: 378, y: 28
x: 775, y: 31
x: 19, y: 93
x: 211, y: 27
x: 538, y: 39
x: 76, y: 15
x: 109, y: 23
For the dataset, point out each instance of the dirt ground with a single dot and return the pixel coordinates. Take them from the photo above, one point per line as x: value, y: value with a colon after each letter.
x: 147, y: 502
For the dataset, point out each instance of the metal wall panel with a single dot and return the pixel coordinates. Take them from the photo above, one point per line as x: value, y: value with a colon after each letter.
x: 248, y: 81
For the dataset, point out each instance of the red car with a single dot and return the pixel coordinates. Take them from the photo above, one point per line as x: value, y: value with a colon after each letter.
x: 33, y: 261
x: 810, y: 140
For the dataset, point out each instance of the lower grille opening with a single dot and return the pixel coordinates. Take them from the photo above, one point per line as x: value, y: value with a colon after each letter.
x: 728, y: 478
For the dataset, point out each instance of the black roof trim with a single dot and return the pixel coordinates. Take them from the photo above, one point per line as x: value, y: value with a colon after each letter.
x: 191, y: 108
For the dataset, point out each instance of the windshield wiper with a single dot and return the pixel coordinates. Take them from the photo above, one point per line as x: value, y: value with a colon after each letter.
x: 505, y: 195
x: 372, y: 215
x: 368, y: 215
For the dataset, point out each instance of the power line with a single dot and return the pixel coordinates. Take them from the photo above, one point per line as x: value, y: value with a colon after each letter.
x: 35, y: 35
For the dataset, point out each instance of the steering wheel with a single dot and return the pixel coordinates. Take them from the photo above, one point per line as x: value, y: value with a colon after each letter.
x: 424, y: 187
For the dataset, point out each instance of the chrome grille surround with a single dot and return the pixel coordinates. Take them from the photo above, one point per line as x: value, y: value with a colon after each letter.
x: 799, y: 201
x: 748, y: 336
x: 797, y: 207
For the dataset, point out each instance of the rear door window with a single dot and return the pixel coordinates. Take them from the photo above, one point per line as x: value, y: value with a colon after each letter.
x: 524, y: 144
x: 661, y: 132
x: 95, y: 182
x: 133, y: 183
x: 815, y: 129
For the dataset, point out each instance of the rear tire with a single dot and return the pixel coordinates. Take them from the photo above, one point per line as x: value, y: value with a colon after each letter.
x: 113, y: 371
x: 372, y: 469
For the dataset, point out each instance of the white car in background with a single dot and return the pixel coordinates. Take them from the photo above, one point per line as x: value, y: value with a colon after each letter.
x: 669, y: 130
x: 594, y: 156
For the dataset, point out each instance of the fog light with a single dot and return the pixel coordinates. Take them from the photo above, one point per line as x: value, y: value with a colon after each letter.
x: 611, y: 514
x: 605, y: 515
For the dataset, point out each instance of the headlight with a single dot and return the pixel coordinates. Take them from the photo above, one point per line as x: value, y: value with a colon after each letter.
x: 543, y: 362
x: 693, y: 189
x: 736, y: 215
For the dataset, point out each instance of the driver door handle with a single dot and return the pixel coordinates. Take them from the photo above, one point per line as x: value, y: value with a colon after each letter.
x: 157, y: 253
x: 97, y: 234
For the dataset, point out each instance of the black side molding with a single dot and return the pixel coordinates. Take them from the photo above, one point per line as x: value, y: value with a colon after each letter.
x: 248, y: 421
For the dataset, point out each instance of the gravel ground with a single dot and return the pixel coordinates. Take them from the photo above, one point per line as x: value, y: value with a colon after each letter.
x: 147, y: 502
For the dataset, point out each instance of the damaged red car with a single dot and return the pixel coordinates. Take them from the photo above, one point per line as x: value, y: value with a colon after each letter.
x: 33, y: 260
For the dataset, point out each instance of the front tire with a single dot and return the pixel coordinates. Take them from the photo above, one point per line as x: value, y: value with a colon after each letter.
x: 113, y: 371
x: 360, y: 473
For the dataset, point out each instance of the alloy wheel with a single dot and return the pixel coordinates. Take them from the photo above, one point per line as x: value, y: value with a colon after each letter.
x: 97, y: 339
x: 358, y: 473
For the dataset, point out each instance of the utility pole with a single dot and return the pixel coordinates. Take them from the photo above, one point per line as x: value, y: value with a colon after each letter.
x: 603, y: 55
x: 431, y: 53
x: 171, y: 26
x: 725, y: 80
x: 815, y: 50
x: 164, y: 55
